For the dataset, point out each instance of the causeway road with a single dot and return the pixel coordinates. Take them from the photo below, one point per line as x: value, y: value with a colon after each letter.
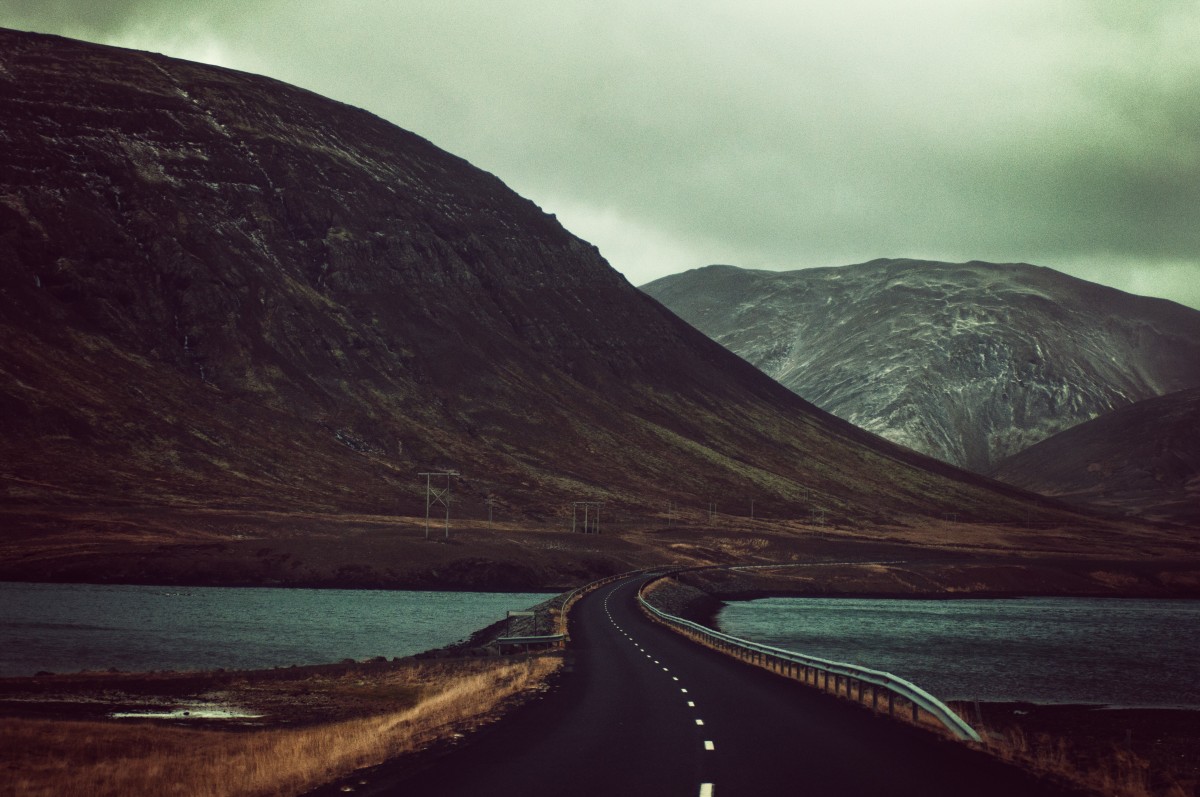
x: 643, y: 711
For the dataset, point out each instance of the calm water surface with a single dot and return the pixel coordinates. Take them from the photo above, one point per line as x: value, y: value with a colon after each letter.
x: 71, y: 627
x: 1047, y: 650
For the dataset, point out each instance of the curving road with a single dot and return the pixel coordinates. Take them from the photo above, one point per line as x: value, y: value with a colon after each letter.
x: 643, y: 711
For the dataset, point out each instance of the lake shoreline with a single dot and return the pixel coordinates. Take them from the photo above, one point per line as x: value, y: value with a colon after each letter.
x: 1105, y: 651
x: 66, y: 628
x: 1162, y: 737
x: 1095, y: 745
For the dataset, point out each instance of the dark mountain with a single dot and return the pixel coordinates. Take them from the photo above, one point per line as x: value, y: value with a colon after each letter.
x: 1142, y: 460
x: 228, y: 305
x: 966, y: 362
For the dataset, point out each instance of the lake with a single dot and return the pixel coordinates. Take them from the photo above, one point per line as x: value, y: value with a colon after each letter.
x: 72, y: 627
x: 1119, y: 652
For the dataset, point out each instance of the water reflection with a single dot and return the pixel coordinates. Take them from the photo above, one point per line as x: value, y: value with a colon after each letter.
x: 1052, y: 650
x: 70, y: 627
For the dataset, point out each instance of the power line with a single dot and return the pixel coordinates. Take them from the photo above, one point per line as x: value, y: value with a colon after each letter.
x: 437, y: 495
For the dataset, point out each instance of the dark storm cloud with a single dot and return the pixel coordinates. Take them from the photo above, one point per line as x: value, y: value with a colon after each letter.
x: 768, y: 134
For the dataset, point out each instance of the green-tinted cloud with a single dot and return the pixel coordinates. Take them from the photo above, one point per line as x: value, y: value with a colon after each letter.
x: 767, y: 134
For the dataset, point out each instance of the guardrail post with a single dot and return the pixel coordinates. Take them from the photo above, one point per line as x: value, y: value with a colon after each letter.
x: 891, y: 704
x: 916, y: 712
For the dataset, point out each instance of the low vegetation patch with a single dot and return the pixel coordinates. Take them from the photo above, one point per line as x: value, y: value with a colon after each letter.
x: 402, y: 712
x: 1117, y: 752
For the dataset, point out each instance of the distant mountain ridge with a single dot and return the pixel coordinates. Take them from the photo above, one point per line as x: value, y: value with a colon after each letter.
x: 967, y: 362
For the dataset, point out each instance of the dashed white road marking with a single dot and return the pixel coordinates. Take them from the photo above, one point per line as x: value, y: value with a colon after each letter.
x: 709, y: 745
x: 684, y: 691
x: 706, y: 790
x: 674, y: 677
x: 691, y: 704
x: 699, y: 721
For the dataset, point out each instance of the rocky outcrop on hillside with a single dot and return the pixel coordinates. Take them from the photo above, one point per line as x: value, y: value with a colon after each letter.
x: 967, y: 362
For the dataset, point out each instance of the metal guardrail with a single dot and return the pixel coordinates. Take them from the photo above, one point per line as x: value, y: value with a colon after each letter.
x: 812, y: 670
x: 579, y: 592
x: 526, y: 641
x: 561, y: 637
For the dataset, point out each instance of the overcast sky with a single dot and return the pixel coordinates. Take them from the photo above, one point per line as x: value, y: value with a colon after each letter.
x: 781, y: 134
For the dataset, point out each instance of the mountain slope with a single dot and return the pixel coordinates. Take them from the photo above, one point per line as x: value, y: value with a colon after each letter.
x: 1143, y: 459
x: 232, y: 309
x: 965, y: 362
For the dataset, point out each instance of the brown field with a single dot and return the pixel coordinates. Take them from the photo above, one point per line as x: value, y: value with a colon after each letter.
x: 230, y: 547
x: 320, y: 724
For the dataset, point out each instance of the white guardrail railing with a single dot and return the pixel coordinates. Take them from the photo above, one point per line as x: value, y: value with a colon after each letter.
x: 817, y: 672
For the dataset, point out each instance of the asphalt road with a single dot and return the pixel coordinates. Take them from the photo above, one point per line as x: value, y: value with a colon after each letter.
x: 645, y: 712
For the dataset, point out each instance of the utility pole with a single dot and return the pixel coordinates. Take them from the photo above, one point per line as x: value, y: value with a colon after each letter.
x: 437, y: 495
x: 591, y: 520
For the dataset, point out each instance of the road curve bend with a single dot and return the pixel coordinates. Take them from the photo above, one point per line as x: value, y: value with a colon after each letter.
x: 643, y: 711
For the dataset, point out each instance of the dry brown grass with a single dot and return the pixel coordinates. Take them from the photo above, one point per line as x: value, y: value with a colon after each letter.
x: 1119, y: 773
x: 47, y: 758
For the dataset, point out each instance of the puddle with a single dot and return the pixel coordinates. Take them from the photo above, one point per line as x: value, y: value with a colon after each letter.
x: 192, y: 712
